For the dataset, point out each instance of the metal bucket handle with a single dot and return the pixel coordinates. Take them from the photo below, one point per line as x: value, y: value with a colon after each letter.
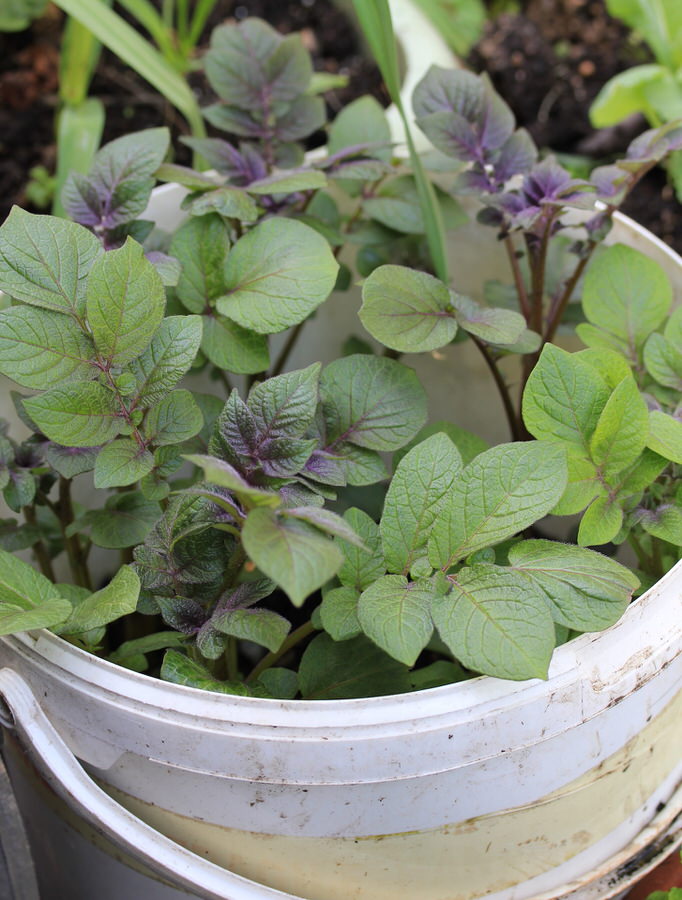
x: 56, y: 764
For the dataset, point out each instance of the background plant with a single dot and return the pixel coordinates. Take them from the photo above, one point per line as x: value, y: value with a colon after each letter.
x: 654, y: 89
x: 225, y: 551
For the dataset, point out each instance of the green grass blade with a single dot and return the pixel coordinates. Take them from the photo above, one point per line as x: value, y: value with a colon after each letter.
x: 79, y: 130
x: 377, y: 25
x: 134, y: 50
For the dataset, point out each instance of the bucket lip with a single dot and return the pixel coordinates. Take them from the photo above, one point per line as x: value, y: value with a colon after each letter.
x: 569, y: 665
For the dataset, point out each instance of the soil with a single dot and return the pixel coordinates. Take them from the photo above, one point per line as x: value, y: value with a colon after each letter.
x: 29, y: 83
x: 549, y: 62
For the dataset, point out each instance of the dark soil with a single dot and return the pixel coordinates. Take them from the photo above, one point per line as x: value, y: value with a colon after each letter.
x: 29, y: 83
x: 549, y: 63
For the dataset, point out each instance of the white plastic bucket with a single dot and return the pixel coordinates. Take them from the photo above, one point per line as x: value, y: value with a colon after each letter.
x: 486, y: 788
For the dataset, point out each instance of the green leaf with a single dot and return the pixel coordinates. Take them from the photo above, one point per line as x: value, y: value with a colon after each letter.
x: 407, y: 310
x: 339, y: 613
x: 627, y: 296
x: 583, y: 483
x: 262, y: 626
x: 295, y: 555
x: 118, y: 598
x: 231, y: 347
x: 125, y: 303
x: 250, y: 61
x: 564, y: 398
x: 125, y: 521
x: 44, y: 261
x: 133, y: 654
x: 396, y: 615
x: 601, y: 522
x: 354, y: 668
x: 415, y: 496
x: 491, y: 324
x: 629, y: 92
x: 468, y: 444
x: 81, y: 415
x: 621, y: 431
x: 397, y: 205
x: 39, y: 348
x: 585, y: 590
x: 117, y: 188
x: 361, y: 567
x: 611, y: 365
x: 289, y: 182
x: 327, y: 521
x: 282, y: 684
x: 28, y: 600
x: 201, y: 244
x: 122, y: 462
x: 276, y: 275
x: 665, y: 436
x: 284, y: 405
x: 663, y: 361
x: 228, y: 202
x: 493, y: 623
x: 217, y: 471
x: 501, y: 492
x: 178, y: 669
x: 664, y: 523
x: 138, y: 53
x: 168, y: 357
x: 363, y: 121
x: 373, y: 402
x: 173, y: 420
x: 660, y: 24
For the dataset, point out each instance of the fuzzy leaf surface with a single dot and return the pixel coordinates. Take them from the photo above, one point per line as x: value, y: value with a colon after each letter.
x: 494, y: 624
x: 28, y: 600
x: 586, y: 591
x: 167, y: 358
x: 361, y: 565
x: 295, y: 555
x: 39, y: 348
x: 45, y: 261
x: 125, y: 303
x: 276, y: 275
x: 396, y: 615
x: 501, y: 492
x: 376, y: 403
x: 80, y: 415
x: 407, y: 310
x: 122, y: 462
x: 117, y: 599
x: 354, y: 668
x: 415, y: 496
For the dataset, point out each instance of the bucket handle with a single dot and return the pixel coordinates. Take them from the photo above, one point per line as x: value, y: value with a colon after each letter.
x: 56, y: 764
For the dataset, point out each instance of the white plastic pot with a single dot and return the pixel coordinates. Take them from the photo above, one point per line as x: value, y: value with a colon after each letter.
x: 485, y: 788
x: 489, y: 788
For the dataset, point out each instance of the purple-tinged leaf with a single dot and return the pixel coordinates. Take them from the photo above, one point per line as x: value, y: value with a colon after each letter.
x: 304, y: 116
x: 610, y: 183
x: 120, y: 181
x: 245, y: 595
x: 326, y: 468
x: 181, y: 613
x: 282, y: 457
x: 234, y: 121
x: 516, y: 156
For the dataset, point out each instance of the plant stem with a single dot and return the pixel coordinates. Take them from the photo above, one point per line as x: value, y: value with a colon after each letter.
x: 518, y: 277
x: 501, y: 387
x: 300, y: 634
x: 39, y: 548
x: 557, y: 311
x: 231, y: 659
x: 284, y: 353
x: 79, y: 568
